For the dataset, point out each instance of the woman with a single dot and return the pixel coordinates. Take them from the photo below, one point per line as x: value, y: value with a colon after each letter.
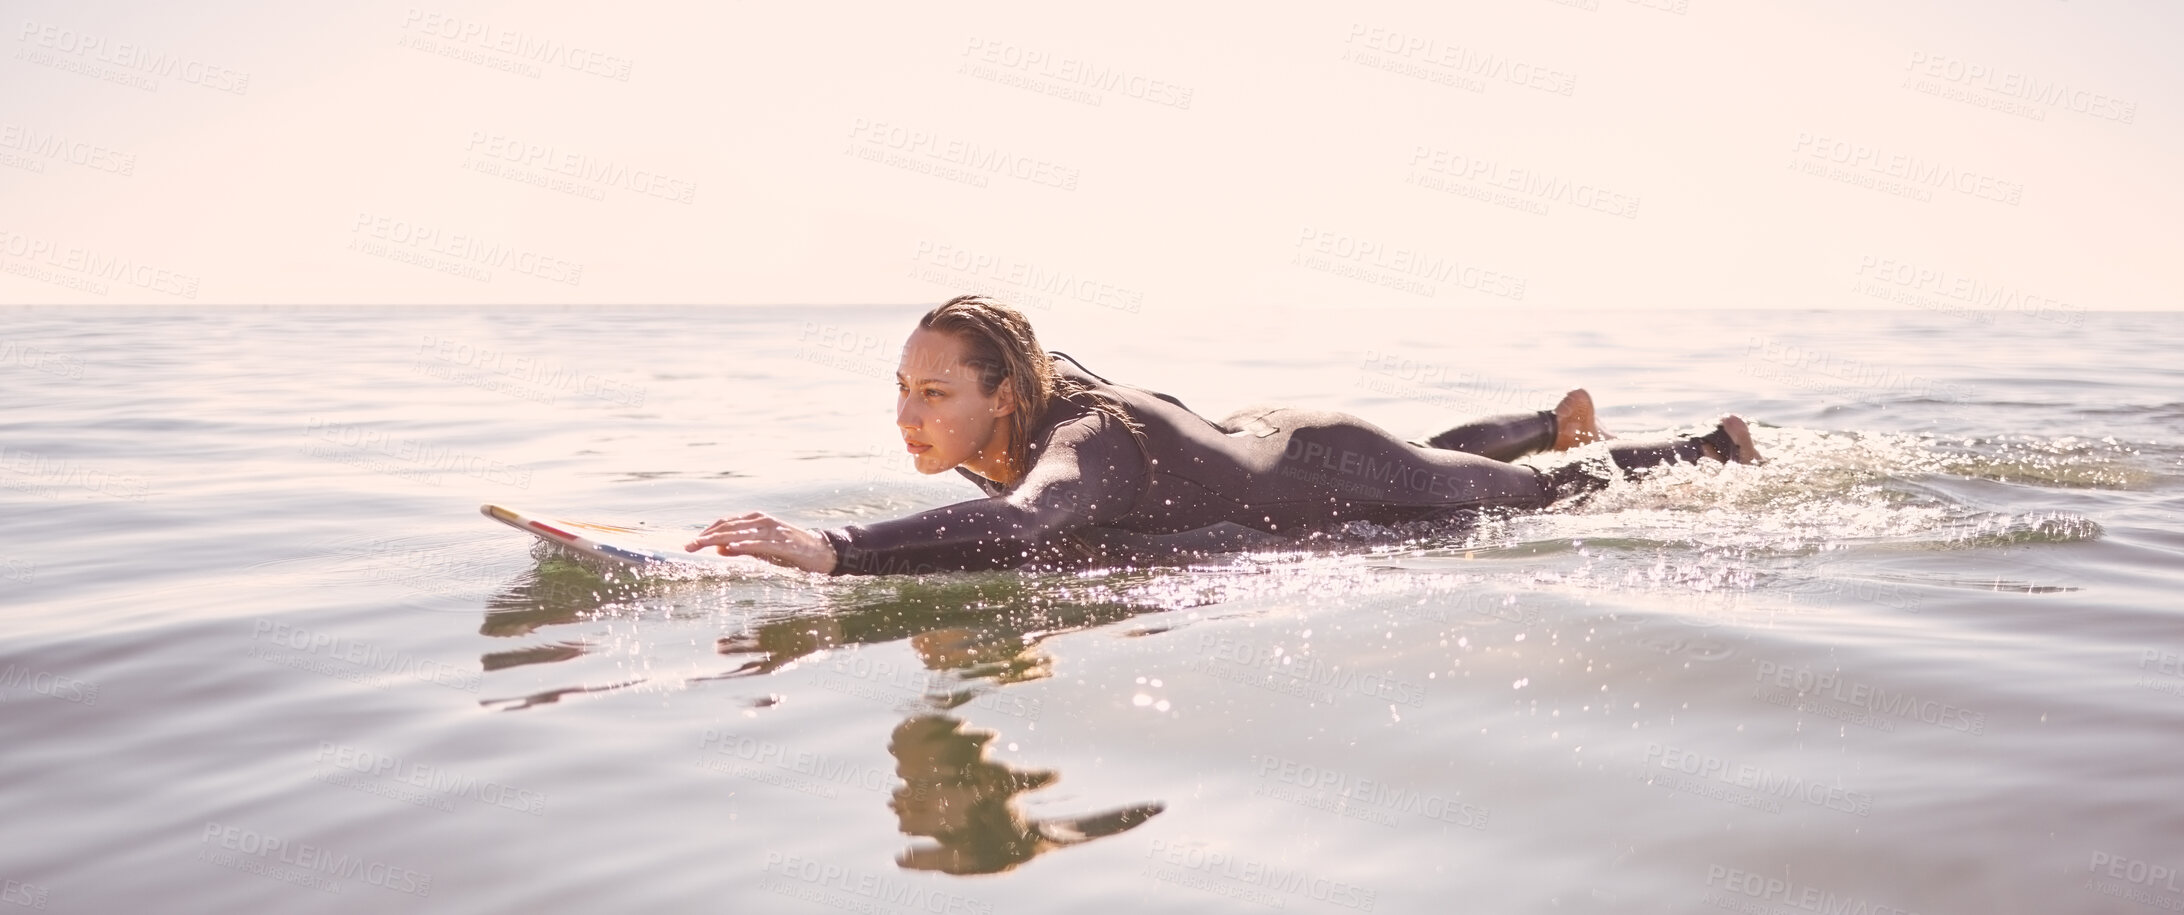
x: 1080, y: 469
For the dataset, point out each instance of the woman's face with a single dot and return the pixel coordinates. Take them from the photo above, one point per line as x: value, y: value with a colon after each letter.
x: 944, y: 420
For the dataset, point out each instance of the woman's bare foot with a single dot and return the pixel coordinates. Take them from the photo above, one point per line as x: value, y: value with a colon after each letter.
x: 1574, y: 422
x: 1739, y: 434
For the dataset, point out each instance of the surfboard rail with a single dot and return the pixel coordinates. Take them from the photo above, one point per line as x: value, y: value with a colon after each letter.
x: 618, y: 543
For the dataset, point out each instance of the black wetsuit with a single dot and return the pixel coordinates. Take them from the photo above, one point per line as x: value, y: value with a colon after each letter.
x: 1258, y: 477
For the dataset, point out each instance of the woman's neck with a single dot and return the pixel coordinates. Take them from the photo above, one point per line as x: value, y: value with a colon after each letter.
x: 992, y: 461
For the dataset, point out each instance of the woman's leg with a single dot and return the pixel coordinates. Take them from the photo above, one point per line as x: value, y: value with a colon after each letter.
x: 1503, y: 438
x: 1731, y: 441
x: 1514, y: 435
x: 1335, y: 461
x: 1314, y: 466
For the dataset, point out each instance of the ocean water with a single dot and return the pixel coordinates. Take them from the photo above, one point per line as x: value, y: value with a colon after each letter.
x: 261, y: 652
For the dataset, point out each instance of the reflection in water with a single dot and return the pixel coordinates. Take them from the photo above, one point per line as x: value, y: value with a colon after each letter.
x: 974, y: 632
x: 980, y: 626
x: 953, y: 794
x: 558, y: 591
x: 973, y: 627
x: 555, y: 592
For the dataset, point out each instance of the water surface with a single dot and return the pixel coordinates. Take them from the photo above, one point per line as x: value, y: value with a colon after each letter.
x: 262, y: 654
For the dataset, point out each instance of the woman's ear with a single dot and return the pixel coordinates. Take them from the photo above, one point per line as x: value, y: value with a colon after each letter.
x: 1005, y: 404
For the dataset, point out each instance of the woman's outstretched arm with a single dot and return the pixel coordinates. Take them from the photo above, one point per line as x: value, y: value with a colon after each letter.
x: 1087, y: 472
x: 768, y: 538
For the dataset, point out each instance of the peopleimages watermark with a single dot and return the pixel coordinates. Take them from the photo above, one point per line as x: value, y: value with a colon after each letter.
x: 127, y: 63
x: 845, y: 887
x: 580, y: 174
x: 1453, y: 399
x: 1523, y: 189
x: 1369, y: 799
x: 1244, y: 879
x: 518, y: 375
x: 1883, y: 594
x: 1904, y: 175
x: 1903, y: 283
x: 2169, y: 664
x: 1822, y: 372
x: 1434, y: 61
x: 303, y: 863
x: 27, y: 895
x: 2008, y: 90
x: 857, y: 353
x: 345, y: 658
x: 1743, y: 784
x: 477, y: 42
x: 897, y: 471
x: 932, y: 153
x: 1403, y: 269
x: 1473, y: 605
x: 89, y: 269
x: 428, y: 571
x: 848, y: 350
x: 851, y: 673
x: 1271, y: 667
x: 1786, y: 892
x: 392, y: 777
x: 1832, y: 686
x: 29, y: 149
x: 785, y: 766
x: 1019, y: 281
x: 1064, y: 77
x: 423, y: 457
x: 464, y: 255
x: 32, y: 356
x: 2166, y: 662
x: 1441, y: 384
x: 1365, y: 474
x: 48, y: 684
x: 46, y: 476
x: 2143, y: 882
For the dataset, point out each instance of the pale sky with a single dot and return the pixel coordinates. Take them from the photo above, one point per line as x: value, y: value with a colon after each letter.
x: 1157, y: 157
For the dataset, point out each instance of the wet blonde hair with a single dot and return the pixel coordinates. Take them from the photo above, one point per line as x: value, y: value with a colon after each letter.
x: 1000, y: 346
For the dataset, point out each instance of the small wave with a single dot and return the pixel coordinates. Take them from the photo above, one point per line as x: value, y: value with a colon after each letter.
x: 1821, y: 489
x: 2001, y: 530
x: 2068, y: 462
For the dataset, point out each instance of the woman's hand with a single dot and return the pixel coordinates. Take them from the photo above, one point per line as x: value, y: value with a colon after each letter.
x: 761, y: 535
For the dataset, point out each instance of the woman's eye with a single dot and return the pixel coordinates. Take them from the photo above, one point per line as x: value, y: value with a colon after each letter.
x: 932, y: 392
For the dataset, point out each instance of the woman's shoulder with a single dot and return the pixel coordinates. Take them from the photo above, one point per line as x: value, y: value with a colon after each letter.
x: 1067, y: 365
x: 1081, y: 421
x: 1074, y: 417
x: 1132, y: 397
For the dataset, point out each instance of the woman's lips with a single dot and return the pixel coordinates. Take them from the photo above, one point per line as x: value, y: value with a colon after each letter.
x: 916, y: 448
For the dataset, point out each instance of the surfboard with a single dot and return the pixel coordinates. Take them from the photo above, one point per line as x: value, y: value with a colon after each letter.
x: 615, y: 543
